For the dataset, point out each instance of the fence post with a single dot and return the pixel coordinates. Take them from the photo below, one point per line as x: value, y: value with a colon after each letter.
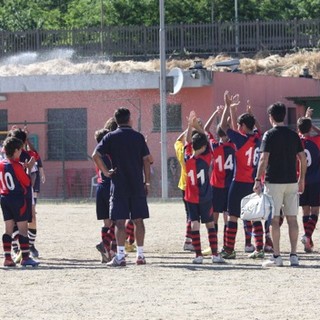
x: 295, y: 25
x: 181, y: 39
x: 257, y: 34
x: 38, y: 40
x: 219, y: 36
x: 145, y: 41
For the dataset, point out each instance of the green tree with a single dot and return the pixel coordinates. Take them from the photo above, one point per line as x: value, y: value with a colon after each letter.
x: 307, y: 9
x: 19, y: 15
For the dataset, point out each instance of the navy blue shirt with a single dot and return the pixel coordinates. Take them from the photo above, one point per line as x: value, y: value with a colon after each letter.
x: 126, y: 148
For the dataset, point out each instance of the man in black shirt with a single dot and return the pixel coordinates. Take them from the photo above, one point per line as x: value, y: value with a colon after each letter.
x: 279, y: 149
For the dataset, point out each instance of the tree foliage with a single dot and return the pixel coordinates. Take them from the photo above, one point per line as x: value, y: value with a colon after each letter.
x: 19, y: 15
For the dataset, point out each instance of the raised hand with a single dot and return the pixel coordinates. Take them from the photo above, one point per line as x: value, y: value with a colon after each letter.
x: 309, y: 112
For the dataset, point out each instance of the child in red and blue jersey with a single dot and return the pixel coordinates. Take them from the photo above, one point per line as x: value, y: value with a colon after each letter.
x: 310, y: 198
x: 15, y: 184
x: 247, y: 142
x: 222, y: 171
x: 103, y: 199
x: 198, y: 194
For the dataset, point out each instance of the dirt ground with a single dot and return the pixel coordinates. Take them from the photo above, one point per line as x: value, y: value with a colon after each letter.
x: 71, y: 282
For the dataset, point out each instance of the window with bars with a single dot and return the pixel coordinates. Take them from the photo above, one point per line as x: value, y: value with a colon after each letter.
x: 174, y: 121
x: 3, y: 124
x: 67, y: 134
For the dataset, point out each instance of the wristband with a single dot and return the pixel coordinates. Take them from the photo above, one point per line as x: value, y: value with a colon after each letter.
x: 256, y: 179
x: 147, y: 184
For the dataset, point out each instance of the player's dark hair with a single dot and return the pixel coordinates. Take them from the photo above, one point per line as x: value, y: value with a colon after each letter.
x: 277, y: 111
x: 111, y: 124
x: 220, y: 132
x: 199, y: 140
x: 99, y: 134
x: 19, y: 134
x: 122, y: 116
x: 247, y: 119
x: 304, y: 125
x: 10, y: 144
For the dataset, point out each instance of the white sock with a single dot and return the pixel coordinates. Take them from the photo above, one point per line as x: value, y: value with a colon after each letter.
x: 140, y: 252
x: 120, y: 252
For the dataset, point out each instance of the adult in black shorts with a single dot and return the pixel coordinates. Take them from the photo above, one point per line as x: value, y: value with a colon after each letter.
x: 130, y: 181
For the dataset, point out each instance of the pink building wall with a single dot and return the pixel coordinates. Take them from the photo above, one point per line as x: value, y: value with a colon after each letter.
x: 260, y: 90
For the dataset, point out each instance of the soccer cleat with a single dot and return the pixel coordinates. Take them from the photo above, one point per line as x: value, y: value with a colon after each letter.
x: 141, y: 260
x: 34, y: 252
x: 249, y: 248
x: 130, y: 247
x: 228, y: 255
x: 115, y: 262
x: 256, y: 254
x: 294, y: 260
x: 207, y: 252
x: 29, y: 263
x: 105, y: 255
x: 268, y: 247
x: 308, y: 244
x: 197, y: 260
x: 9, y: 263
x: 304, y: 239
x: 217, y: 259
x: 273, y: 262
x: 18, y: 257
x: 188, y: 246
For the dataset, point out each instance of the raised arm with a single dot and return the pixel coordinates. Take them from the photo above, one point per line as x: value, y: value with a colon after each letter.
x: 214, y: 115
x: 233, y: 111
x: 191, y: 118
x: 250, y: 111
x: 226, y: 111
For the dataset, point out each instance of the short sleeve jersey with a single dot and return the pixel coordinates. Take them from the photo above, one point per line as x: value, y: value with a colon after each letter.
x: 223, y: 163
x: 127, y: 148
x: 311, y: 146
x: 283, y: 145
x: 14, y: 182
x: 179, y: 148
x: 246, y: 156
x: 198, y: 189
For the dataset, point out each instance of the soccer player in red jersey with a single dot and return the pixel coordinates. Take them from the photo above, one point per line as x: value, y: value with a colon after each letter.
x: 14, y: 187
x: 247, y: 143
x: 102, y: 205
x: 179, y: 149
x: 222, y: 170
x: 198, y: 194
x: 310, y: 198
x: 28, y: 162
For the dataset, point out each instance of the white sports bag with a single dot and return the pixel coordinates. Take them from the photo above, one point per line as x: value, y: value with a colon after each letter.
x: 256, y: 207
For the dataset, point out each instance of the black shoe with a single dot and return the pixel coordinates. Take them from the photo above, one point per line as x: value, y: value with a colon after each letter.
x: 34, y: 251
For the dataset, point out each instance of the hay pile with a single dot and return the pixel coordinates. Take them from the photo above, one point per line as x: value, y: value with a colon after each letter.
x: 290, y: 65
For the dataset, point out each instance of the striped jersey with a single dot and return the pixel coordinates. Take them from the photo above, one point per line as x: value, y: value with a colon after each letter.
x: 13, y: 179
x: 223, y: 163
x: 198, y: 189
x: 246, y: 156
x: 311, y: 145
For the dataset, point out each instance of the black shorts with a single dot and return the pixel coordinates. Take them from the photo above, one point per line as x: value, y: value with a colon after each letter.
x: 310, y: 196
x: 220, y: 199
x: 200, y: 211
x: 36, y: 184
x: 15, y: 208
x: 103, y: 202
x: 122, y: 208
x: 237, y: 191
